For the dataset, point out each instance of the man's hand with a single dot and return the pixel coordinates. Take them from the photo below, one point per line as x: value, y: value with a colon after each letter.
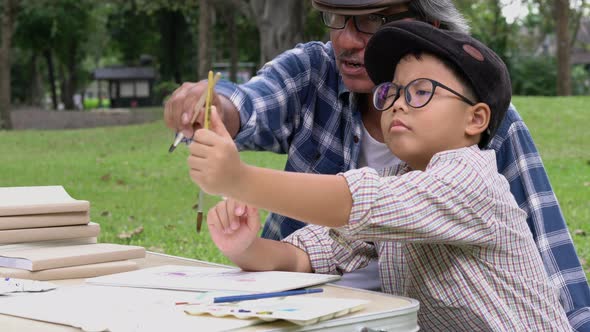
x: 180, y: 107
x: 235, y: 240
x: 214, y: 161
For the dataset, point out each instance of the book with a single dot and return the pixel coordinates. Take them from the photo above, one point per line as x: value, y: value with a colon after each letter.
x: 48, y: 233
x: 44, y: 220
x: 16, y: 201
x: 71, y: 272
x: 47, y: 244
x: 40, y: 258
x: 192, y: 278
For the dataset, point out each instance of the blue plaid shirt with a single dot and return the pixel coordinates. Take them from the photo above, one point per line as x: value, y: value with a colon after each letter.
x: 298, y: 105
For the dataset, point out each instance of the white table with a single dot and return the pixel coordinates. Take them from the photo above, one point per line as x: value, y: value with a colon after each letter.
x: 383, y: 313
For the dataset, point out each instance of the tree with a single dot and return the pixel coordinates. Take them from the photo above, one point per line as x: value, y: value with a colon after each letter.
x: 9, y: 8
x: 57, y: 29
x: 280, y: 24
x: 203, y: 42
x: 564, y: 79
x: 35, y: 32
x: 562, y: 18
x: 74, y: 26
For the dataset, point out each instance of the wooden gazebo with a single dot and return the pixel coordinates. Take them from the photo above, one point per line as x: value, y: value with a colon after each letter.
x: 128, y: 86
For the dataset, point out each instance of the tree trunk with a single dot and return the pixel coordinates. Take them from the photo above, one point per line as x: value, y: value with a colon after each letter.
x: 8, y: 14
x: 36, y: 88
x: 564, y: 86
x: 233, y: 46
x: 280, y: 24
x: 204, y: 27
x: 51, y: 72
x: 70, y: 77
x: 172, y: 27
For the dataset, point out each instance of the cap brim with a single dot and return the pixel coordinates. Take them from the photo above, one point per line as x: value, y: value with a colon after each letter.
x: 388, y: 46
x: 347, y: 11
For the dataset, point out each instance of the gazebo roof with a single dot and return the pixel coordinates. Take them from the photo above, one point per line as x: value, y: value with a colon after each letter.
x: 121, y: 73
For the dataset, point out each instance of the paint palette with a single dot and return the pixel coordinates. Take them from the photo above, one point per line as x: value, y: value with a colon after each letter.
x: 300, y: 310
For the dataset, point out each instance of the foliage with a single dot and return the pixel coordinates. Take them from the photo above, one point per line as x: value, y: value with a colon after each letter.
x: 163, y: 89
x: 533, y: 76
x: 314, y: 28
x: 132, y: 34
x: 57, y: 28
x: 537, y: 76
x: 20, y: 76
x: 83, y: 35
x: 92, y: 103
x: 581, y: 80
x: 489, y: 26
x: 247, y: 38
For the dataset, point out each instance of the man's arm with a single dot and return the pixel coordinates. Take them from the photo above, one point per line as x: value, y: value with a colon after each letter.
x: 519, y: 161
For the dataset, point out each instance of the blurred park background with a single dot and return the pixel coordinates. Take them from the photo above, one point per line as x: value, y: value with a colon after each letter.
x: 71, y: 69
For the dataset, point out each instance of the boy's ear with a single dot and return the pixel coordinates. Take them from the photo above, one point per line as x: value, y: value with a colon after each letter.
x: 478, y: 119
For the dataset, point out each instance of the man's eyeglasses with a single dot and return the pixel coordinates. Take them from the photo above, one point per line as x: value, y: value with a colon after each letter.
x: 368, y: 23
x: 417, y: 93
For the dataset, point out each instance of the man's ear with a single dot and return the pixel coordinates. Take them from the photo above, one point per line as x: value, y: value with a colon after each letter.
x: 478, y: 119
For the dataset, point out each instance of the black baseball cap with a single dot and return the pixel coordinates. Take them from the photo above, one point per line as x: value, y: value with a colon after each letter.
x: 482, y: 67
x: 354, y: 7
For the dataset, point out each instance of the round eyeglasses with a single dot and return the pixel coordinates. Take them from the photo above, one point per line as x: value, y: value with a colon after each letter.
x: 368, y: 23
x: 417, y: 93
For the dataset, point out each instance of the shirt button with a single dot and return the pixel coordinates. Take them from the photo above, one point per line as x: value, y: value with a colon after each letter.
x: 355, y: 139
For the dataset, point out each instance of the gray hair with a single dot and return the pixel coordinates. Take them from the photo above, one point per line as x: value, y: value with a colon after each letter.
x: 443, y: 11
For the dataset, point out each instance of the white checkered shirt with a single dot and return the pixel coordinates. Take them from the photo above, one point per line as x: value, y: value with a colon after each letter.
x: 468, y: 254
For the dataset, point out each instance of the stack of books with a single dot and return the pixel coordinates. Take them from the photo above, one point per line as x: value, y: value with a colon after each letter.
x: 45, y: 234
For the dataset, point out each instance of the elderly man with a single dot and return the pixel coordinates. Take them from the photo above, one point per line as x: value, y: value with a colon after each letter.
x: 311, y: 103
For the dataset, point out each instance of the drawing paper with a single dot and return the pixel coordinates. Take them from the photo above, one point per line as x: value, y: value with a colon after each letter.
x: 193, y: 278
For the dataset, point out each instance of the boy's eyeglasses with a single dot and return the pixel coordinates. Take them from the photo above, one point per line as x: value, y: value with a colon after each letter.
x: 368, y: 23
x: 417, y: 93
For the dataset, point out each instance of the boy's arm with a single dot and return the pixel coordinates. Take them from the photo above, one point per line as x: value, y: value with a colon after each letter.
x: 313, y: 198
x: 269, y: 255
x: 216, y: 167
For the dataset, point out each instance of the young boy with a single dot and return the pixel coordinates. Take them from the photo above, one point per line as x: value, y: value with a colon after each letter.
x: 444, y: 226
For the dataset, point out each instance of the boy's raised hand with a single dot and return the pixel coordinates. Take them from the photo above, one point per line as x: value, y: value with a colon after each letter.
x: 214, y: 161
x: 232, y: 242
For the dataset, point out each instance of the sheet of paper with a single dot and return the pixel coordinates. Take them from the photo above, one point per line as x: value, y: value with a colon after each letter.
x: 116, y: 309
x: 213, y: 279
x: 301, y: 310
x: 14, y: 285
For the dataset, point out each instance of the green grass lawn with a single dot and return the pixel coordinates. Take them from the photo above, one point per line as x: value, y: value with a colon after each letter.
x: 131, y: 180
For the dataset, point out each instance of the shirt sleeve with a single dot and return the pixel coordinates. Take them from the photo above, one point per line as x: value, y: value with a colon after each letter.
x: 330, y: 254
x: 442, y: 205
x: 271, y: 103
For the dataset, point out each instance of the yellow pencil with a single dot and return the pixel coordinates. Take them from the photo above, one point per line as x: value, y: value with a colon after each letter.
x: 210, y: 84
